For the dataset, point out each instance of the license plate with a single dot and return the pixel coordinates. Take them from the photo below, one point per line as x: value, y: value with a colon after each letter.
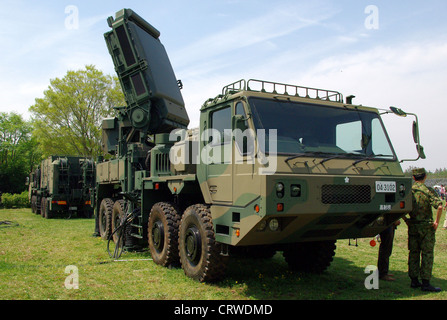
x: 385, y: 186
x: 73, y: 208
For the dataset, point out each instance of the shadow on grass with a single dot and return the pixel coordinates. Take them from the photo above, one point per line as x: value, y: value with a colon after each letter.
x: 67, y: 215
x: 343, y: 280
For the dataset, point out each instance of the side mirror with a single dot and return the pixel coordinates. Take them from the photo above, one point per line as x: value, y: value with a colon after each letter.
x: 421, y: 152
x: 419, y: 148
x: 415, y: 132
x: 239, y: 122
x: 244, y: 139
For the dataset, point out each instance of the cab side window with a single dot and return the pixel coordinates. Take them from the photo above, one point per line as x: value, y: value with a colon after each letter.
x: 239, y: 109
x: 221, y: 121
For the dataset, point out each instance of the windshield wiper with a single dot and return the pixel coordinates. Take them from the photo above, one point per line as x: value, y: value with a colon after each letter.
x: 337, y: 156
x: 306, y: 154
x: 374, y: 157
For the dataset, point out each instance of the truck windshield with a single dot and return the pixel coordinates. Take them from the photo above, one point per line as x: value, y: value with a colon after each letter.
x: 323, y: 131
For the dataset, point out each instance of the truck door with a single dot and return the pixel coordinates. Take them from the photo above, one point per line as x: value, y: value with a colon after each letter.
x: 246, y: 183
x: 219, y: 155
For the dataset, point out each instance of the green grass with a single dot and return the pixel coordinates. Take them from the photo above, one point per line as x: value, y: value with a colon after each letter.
x: 35, y: 253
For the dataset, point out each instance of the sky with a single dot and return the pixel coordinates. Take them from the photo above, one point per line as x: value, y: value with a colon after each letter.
x: 386, y: 53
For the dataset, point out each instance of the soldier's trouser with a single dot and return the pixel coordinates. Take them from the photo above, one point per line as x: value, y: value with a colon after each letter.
x: 385, y: 250
x: 421, y: 243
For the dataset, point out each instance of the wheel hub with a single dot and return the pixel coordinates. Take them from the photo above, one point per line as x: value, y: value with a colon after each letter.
x: 158, y: 235
x: 193, y: 244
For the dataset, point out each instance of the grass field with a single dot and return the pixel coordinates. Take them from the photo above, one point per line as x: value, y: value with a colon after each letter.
x: 34, y: 254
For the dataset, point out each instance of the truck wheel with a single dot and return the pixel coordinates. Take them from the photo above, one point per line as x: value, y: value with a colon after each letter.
x: 33, y: 204
x: 118, y: 215
x: 199, y: 253
x: 38, y: 207
x: 48, y: 212
x: 260, y: 252
x: 105, y: 218
x: 312, y: 257
x: 43, y: 207
x: 162, y: 231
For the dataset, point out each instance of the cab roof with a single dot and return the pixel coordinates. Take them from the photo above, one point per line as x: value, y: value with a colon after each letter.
x: 274, y: 90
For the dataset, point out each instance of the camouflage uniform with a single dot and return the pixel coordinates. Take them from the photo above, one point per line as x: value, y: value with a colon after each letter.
x: 421, y: 233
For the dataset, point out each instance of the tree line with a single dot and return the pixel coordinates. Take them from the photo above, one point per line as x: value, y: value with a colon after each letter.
x: 437, y: 174
x: 65, y: 121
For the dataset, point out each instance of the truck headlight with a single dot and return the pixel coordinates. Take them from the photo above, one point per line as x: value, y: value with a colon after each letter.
x: 280, y: 190
x: 274, y: 224
x: 402, y: 190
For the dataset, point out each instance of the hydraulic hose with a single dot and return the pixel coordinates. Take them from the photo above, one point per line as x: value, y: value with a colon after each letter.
x: 119, y: 246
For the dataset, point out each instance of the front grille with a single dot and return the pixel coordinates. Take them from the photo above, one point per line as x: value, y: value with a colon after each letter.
x: 345, y: 194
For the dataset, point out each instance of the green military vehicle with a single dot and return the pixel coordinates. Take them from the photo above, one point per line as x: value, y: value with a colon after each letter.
x: 61, y: 185
x: 272, y: 167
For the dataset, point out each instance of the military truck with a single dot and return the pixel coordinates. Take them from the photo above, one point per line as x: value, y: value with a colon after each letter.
x: 62, y: 185
x: 272, y: 167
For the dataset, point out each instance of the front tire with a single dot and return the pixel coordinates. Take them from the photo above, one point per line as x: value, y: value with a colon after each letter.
x: 199, y: 252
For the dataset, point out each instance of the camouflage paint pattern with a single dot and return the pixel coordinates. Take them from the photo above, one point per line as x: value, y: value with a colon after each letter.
x: 242, y: 201
x: 234, y: 190
x: 421, y: 234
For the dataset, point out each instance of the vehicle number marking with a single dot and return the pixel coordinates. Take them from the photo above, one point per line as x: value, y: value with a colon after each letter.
x: 385, y: 186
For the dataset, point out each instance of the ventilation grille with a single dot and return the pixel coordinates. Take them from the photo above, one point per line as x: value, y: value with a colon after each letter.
x: 162, y: 164
x: 345, y: 194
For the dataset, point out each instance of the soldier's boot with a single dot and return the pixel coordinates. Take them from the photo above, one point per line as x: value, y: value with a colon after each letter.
x: 426, y: 286
x: 415, y: 283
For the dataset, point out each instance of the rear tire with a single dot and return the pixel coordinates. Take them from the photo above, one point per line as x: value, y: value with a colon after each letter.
x: 118, y: 215
x: 260, y: 252
x: 38, y: 207
x: 162, y: 230
x: 48, y: 213
x: 43, y: 207
x: 310, y: 257
x: 33, y: 204
x: 105, y: 218
x: 199, y: 253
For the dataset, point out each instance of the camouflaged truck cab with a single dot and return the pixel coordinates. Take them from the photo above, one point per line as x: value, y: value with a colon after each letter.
x: 272, y: 167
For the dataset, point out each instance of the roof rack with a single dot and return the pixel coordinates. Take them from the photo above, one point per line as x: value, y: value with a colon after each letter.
x: 282, y: 89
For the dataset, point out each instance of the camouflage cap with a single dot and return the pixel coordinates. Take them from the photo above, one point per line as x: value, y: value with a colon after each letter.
x: 418, y: 171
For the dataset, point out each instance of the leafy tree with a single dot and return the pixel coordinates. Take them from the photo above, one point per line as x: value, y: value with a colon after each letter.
x: 67, y: 120
x: 18, y: 152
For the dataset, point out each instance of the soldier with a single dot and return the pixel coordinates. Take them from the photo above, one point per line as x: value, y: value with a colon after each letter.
x: 421, y: 232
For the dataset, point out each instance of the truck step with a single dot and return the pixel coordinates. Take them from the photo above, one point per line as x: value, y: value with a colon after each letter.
x: 136, y: 235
